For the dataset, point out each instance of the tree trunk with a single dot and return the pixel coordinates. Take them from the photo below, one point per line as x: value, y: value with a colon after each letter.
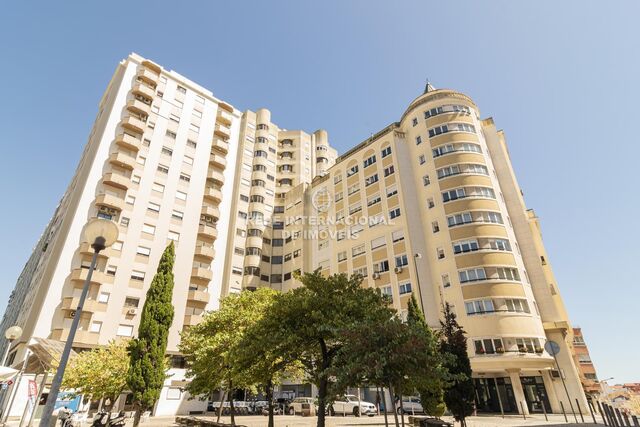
x: 384, y: 404
x: 401, y: 408
x: 138, y: 413
x: 222, y: 397
x: 231, y: 409
x: 269, y: 393
x: 323, y: 385
x: 393, y: 405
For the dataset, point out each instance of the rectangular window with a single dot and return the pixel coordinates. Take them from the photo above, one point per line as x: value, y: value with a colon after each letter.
x: 157, y: 187
x: 95, y: 326
x: 124, y: 221
x: 402, y: 260
x: 342, y: 256
x: 174, y: 236
x: 418, y: 140
x: 163, y: 169
x: 149, y: 229
x: 185, y: 177
x: 181, y: 195
x: 104, y: 297
x: 378, y: 242
x: 358, y: 250
x: 177, y: 214
x: 397, y: 236
x: 389, y: 170
x: 143, y: 251
x: 187, y: 160
x: 117, y: 246
x: 371, y: 180
x: 404, y: 288
x: 386, y: 151
x: 392, y: 191
x: 352, y: 171
x: 369, y: 161
x: 124, y: 330
x: 446, y: 282
x: 111, y: 270
x: 394, y: 213
x: 154, y: 207
x: 136, y: 179
x: 472, y: 275
x: 170, y: 134
x: 130, y: 200
x: 137, y: 275
x: 168, y: 151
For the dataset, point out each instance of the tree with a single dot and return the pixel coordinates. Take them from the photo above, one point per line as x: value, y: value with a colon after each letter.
x: 147, y: 352
x: 313, y: 320
x: 213, y: 347
x: 431, y: 387
x: 459, y: 395
x: 100, y: 373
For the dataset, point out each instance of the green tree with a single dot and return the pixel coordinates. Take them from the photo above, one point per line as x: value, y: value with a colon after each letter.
x: 459, y: 395
x: 314, y: 318
x: 431, y: 386
x: 100, y: 373
x: 147, y: 352
x: 212, y: 348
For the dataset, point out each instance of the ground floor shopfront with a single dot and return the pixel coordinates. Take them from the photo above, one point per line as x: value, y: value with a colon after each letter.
x: 497, y: 395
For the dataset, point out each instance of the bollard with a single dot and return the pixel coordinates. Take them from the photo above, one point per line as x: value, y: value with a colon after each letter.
x: 617, y: 412
x: 590, y: 403
x: 579, y: 411
x: 626, y: 419
x: 612, y: 416
x: 635, y: 421
x: 563, y: 412
x: 522, y: 409
x: 604, y: 418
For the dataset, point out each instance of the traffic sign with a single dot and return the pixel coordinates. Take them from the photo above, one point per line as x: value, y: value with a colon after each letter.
x: 552, y: 347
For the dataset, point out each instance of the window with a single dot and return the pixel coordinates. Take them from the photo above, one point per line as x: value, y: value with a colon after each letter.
x: 479, y: 307
x: 191, y: 143
x: 276, y: 278
x: 386, y: 151
x: 124, y: 330
x: 141, y: 160
x: 143, y: 251
x: 353, y: 189
x: 168, y: 151
x: 414, y: 122
x: 378, y: 242
x: 389, y: 170
x: 137, y: 275
x: 163, y: 169
x: 197, y: 114
x: 433, y: 112
x: 488, y: 346
x: 458, y: 193
x: 430, y: 203
x: 402, y: 260
x: 276, y: 259
x: 170, y: 134
x: 130, y: 200
x: 369, y: 161
x: 117, y: 246
x: 172, y: 235
x: 373, y: 200
x: 529, y: 345
x: 392, y: 191
x: 177, y: 214
x: 111, y: 270
x: 440, y: 253
x: 394, y: 213
x: 472, y: 275
x: 404, y: 288
x: 397, y: 236
x: 507, y: 273
x: 342, y: 256
x: 425, y: 180
x: 435, y: 227
x: 438, y: 130
x: 446, y: 282
x: 181, y: 89
x: 185, y: 177
x: 157, y: 187
x: 358, y: 250
x: 104, y: 297
x: 149, y: 229
x: 124, y: 221
x: 131, y: 302
x: 95, y: 326
x: 180, y: 195
x: 517, y: 305
x: 457, y: 147
x: 459, y: 219
x: 499, y: 244
x: 352, y: 171
x: 136, y: 179
x: 387, y: 292
x: 422, y: 159
x: 187, y: 160
x: 371, y: 179
x: 381, y: 267
x: 277, y: 242
x: 465, y: 246
x: 418, y: 140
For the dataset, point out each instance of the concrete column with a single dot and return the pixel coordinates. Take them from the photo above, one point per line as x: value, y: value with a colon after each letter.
x: 518, y: 392
x: 551, y: 392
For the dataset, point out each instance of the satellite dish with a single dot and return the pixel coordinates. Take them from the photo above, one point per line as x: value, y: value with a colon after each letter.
x: 552, y: 347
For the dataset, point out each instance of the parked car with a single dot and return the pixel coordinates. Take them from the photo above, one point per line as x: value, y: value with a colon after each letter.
x: 349, y: 405
x: 299, y: 403
x: 410, y: 405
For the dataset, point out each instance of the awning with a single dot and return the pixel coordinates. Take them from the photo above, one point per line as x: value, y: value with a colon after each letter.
x: 7, y: 373
x: 45, y: 354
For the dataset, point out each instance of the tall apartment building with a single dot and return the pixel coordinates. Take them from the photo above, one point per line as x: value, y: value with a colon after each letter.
x: 428, y: 206
x: 586, y: 368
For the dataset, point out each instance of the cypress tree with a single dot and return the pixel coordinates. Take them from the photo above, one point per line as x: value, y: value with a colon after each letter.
x: 431, y: 392
x: 459, y: 395
x: 147, y: 352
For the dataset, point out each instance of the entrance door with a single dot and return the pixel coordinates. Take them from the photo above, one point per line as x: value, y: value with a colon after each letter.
x: 535, y: 394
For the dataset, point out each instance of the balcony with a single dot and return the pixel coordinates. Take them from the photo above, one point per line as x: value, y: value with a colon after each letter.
x: 208, y: 231
x: 224, y: 117
x: 217, y: 160
x: 123, y: 160
x: 143, y: 90
x: 199, y: 296
x: 211, y: 211
x: 133, y: 123
x: 192, y: 319
x: 128, y: 141
x: 201, y: 273
x: 90, y: 305
x: 138, y: 107
x: 215, y: 175
x: 220, y: 145
x: 116, y: 180
x: 148, y: 76
x: 82, y: 337
x: 86, y: 249
x: 110, y: 201
x: 205, y: 252
x: 213, y: 193
x: 222, y: 131
x: 79, y: 275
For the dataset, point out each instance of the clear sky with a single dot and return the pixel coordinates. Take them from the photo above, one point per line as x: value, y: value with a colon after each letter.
x: 561, y: 78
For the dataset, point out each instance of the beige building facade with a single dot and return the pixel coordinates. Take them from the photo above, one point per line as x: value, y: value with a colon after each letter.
x: 428, y: 206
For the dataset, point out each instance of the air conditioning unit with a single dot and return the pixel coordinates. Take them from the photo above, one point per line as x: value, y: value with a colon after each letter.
x: 132, y: 311
x: 398, y: 270
x: 375, y: 276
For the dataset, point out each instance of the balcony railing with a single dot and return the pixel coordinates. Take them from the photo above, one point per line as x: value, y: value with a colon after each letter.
x: 220, y: 145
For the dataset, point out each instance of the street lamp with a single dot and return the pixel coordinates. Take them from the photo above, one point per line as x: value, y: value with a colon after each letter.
x: 11, y: 334
x: 101, y: 234
x: 416, y: 257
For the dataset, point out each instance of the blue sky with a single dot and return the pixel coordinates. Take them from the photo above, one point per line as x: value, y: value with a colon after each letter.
x: 561, y: 78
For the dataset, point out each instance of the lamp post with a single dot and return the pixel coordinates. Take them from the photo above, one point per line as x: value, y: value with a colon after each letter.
x: 11, y: 334
x: 416, y: 257
x: 101, y: 234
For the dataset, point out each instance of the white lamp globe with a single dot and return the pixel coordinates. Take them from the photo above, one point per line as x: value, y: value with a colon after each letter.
x: 101, y: 228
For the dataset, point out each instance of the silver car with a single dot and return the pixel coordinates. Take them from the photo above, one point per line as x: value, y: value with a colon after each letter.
x: 410, y: 405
